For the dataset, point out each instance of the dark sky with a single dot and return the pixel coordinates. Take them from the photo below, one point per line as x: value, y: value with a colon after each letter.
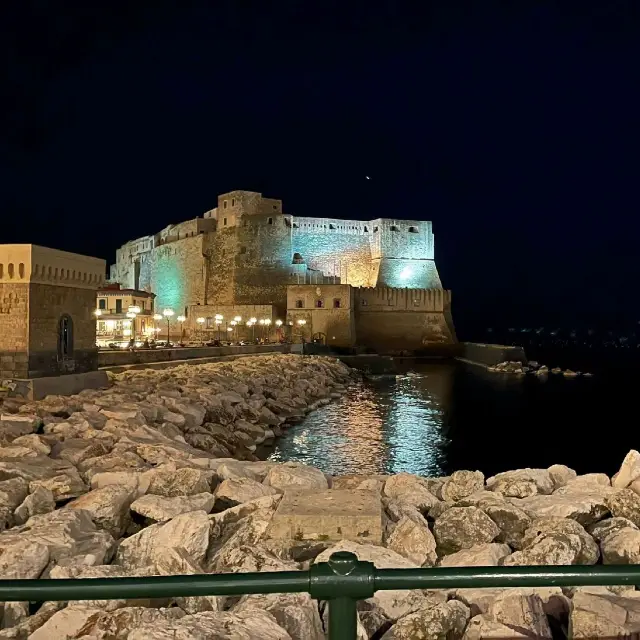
x: 512, y: 125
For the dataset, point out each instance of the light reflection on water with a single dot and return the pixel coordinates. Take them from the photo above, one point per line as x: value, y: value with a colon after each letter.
x: 386, y: 425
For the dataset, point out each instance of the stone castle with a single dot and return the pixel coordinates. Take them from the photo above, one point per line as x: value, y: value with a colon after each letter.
x: 247, y: 252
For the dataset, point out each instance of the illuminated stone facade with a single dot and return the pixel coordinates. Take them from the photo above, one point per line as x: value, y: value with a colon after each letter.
x: 246, y: 251
x: 47, y: 300
x: 383, y: 318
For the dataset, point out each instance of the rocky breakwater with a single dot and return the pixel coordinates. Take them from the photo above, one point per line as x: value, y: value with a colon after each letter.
x: 88, y: 493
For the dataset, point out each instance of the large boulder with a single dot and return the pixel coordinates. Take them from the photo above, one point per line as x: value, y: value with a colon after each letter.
x: 462, y: 484
x: 625, y: 503
x: 463, y: 527
x: 189, y: 531
x: 160, y: 509
x: 412, y: 539
x: 109, y: 507
x: 291, y: 475
x: 480, y: 555
x: 561, y: 475
x: 445, y: 620
x: 23, y: 560
x: 224, y: 625
x: 410, y: 489
x: 629, y: 471
x: 622, y: 546
x: 297, y: 613
x: 522, y: 483
x: 596, y: 615
x: 36, y: 503
x: 555, y: 541
x: 234, y: 491
x: 512, y: 522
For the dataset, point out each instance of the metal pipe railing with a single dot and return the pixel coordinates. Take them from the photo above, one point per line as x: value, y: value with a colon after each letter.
x: 342, y: 582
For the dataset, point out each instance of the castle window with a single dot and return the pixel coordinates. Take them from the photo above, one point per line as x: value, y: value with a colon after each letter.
x: 224, y: 204
x: 1, y: 270
x: 11, y: 269
x: 243, y: 249
x: 21, y: 270
x: 364, y: 303
x: 233, y: 202
x: 275, y: 206
x: 224, y: 222
x: 332, y: 226
x: 270, y: 221
x: 375, y: 229
x: 319, y: 303
x: 366, y: 229
x: 118, y: 305
x: 102, y: 303
x: 393, y: 227
x: 299, y: 304
x: 413, y: 229
x: 336, y: 303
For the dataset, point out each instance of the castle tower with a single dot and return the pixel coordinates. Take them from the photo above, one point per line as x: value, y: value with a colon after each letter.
x: 402, y: 254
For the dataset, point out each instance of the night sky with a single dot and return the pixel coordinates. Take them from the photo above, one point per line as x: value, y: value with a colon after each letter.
x: 513, y: 126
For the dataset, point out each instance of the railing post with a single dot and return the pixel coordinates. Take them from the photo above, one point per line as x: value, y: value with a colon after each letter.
x: 342, y: 581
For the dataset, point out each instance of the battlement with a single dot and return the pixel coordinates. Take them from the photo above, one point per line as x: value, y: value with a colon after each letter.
x: 395, y: 298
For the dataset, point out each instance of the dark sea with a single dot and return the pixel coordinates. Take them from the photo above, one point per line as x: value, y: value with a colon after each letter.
x: 434, y: 419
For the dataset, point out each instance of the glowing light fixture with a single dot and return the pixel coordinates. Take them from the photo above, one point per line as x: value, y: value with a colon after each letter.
x: 238, y: 319
x: 200, y: 320
x: 278, y: 323
x: 157, y: 317
x: 167, y: 313
x: 181, y: 318
x: 405, y: 273
x: 98, y: 312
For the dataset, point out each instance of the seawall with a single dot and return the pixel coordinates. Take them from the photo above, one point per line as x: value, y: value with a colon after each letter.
x: 488, y: 355
x: 110, y: 359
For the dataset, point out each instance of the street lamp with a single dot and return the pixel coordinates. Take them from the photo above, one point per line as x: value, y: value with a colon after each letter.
x: 201, y: 322
x: 132, y: 313
x: 279, y: 329
x: 301, y: 324
x: 167, y: 313
x: 267, y: 324
x: 157, y: 318
x: 181, y: 320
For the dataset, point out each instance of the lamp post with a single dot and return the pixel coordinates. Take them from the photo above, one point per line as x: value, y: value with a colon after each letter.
x: 301, y: 324
x: 237, y: 320
x: 167, y: 313
x: 132, y: 313
x: 234, y: 324
x: 279, y: 329
x: 218, y: 318
x: 157, y: 318
x: 267, y: 325
x: 181, y: 320
x: 201, y: 322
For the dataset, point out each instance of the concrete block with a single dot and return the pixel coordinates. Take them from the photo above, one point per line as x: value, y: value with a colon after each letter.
x: 334, y: 514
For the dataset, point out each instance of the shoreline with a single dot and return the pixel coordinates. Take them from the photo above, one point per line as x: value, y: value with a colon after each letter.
x: 137, y: 480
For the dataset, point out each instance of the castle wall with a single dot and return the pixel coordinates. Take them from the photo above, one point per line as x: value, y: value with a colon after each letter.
x: 177, y: 274
x: 263, y: 259
x: 220, y: 251
x: 403, y: 319
x: 339, y: 248
x: 14, y: 329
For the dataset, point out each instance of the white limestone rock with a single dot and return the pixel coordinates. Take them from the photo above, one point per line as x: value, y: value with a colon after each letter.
x: 512, y: 522
x: 160, y: 509
x: 412, y: 539
x: 109, y: 507
x: 462, y: 484
x: 170, y: 481
x: 226, y: 625
x: 410, y: 489
x: 189, y: 531
x: 463, y: 527
x: 36, y: 503
x: 480, y: 555
x: 603, y: 616
x: 625, y: 503
x: 522, y: 483
x: 445, y: 620
x: 295, y: 476
x: 629, y: 471
x: 561, y: 475
x: 232, y: 492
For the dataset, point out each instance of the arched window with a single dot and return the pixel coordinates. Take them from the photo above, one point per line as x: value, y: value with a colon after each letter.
x: 65, y: 338
x: 11, y: 270
x: 21, y: 270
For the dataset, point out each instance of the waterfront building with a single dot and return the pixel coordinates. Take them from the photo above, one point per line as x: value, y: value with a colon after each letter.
x: 47, y: 326
x: 123, y: 314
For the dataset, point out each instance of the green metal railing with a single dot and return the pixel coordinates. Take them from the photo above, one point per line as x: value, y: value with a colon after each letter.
x: 341, y: 581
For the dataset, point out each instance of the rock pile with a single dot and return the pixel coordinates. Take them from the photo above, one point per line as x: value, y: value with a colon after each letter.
x: 112, y: 484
